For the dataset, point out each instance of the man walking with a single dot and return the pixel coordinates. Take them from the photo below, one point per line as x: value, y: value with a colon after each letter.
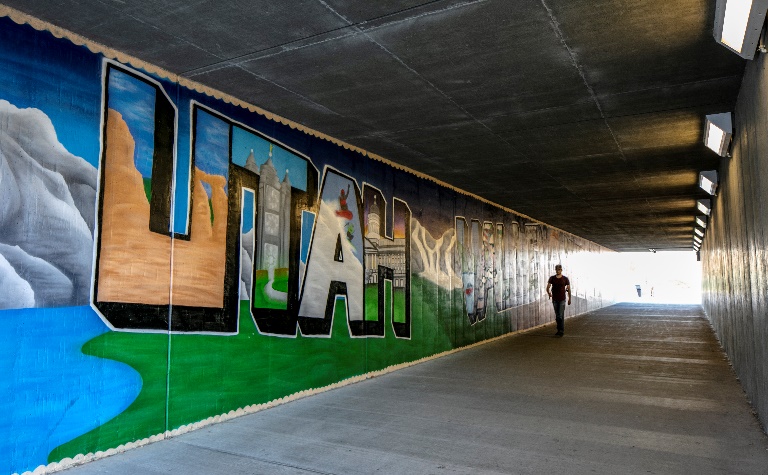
x: 557, y: 287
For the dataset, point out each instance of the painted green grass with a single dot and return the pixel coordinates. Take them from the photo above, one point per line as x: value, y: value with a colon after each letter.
x: 281, y: 280
x: 399, y: 306
x: 148, y: 189
x: 372, y: 303
x: 212, y: 375
x: 260, y: 298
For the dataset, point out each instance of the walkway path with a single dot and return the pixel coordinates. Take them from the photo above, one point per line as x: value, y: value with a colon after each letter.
x: 630, y: 389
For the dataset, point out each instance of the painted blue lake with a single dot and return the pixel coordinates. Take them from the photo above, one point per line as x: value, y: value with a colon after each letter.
x: 52, y: 392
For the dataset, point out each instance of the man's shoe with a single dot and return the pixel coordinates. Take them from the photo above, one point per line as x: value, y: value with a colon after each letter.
x: 559, y: 334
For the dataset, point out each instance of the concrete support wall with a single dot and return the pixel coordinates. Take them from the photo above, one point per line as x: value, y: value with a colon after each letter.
x: 734, y: 252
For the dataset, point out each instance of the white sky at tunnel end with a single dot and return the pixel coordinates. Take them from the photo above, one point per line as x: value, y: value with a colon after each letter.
x: 672, y: 277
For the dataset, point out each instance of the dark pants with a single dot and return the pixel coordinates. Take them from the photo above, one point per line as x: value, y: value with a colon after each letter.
x: 559, y: 314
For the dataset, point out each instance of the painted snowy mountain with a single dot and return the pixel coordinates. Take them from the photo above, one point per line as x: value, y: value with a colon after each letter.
x: 47, y: 198
x: 246, y: 264
x: 433, y: 258
x: 323, y: 267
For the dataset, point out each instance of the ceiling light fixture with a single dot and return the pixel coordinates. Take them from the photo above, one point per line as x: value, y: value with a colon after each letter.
x: 708, y: 181
x: 697, y: 240
x: 738, y: 24
x: 718, y: 133
x: 701, y: 221
x: 705, y: 206
x: 698, y: 231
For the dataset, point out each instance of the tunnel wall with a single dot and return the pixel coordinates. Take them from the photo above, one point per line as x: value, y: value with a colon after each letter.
x: 735, y: 278
x: 170, y: 259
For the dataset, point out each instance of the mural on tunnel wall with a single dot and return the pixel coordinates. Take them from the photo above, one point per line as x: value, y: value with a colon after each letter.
x: 159, y: 245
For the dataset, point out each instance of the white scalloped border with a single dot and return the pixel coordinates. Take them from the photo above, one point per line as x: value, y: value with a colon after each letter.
x: 41, y: 25
x: 81, y: 459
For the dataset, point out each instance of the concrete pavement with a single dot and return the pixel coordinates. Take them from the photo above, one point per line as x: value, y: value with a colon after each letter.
x: 629, y: 389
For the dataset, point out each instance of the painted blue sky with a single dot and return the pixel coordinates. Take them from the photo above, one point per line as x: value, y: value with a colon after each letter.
x: 248, y: 200
x: 57, y: 77
x: 242, y: 143
x: 211, y: 146
x: 307, y: 223
x: 135, y: 101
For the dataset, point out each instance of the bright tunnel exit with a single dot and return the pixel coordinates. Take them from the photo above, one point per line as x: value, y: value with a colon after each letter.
x: 672, y: 277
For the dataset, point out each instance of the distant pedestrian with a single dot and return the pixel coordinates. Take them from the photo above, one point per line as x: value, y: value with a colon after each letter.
x: 557, y: 287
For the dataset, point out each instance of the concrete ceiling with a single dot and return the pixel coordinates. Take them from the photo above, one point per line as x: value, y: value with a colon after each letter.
x: 585, y: 114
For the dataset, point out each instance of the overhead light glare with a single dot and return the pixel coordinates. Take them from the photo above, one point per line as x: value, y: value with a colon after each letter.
x: 718, y: 133
x: 708, y: 181
x: 699, y: 232
x: 715, y: 137
x: 701, y: 221
x: 738, y: 25
x: 697, y: 239
x: 735, y: 23
x: 705, y: 206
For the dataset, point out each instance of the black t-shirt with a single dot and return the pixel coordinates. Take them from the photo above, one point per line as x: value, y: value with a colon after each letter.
x: 558, y: 287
